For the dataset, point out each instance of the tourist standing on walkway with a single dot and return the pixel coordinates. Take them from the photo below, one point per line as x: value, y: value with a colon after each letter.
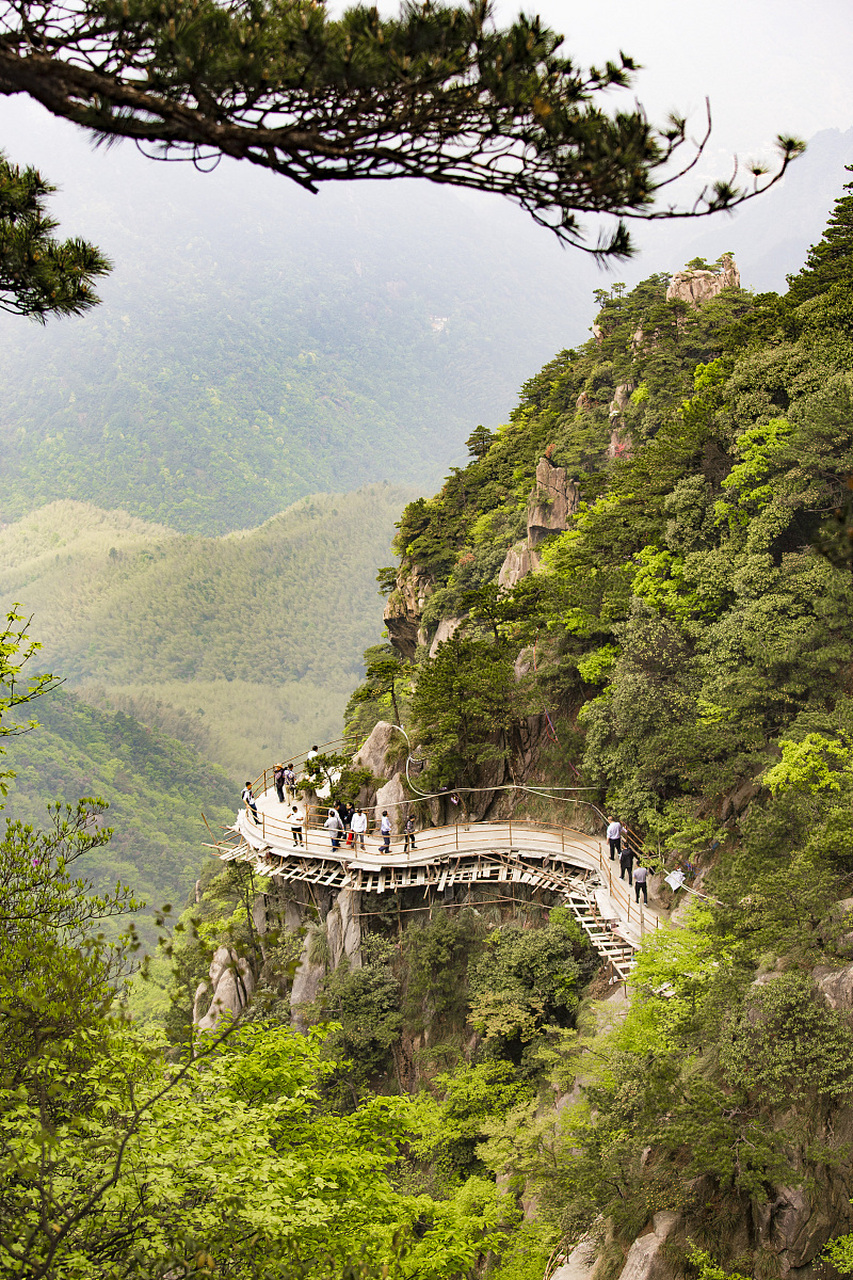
x: 358, y: 826
x: 248, y: 799
x: 278, y: 779
x: 641, y: 875
x: 296, y: 825
x: 335, y: 828
x: 290, y: 782
x: 409, y: 832
x: 626, y: 862
x: 385, y: 829
x: 614, y: 836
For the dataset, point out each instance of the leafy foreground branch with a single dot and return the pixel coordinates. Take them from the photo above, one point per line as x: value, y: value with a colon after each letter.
x: 439, y: 93
x: 117, y: 1163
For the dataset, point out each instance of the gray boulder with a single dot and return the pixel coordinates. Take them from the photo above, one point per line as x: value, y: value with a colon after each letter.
x: 232, y: 983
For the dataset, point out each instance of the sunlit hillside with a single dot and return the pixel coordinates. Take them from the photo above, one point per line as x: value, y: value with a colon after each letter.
x: 245, y: 646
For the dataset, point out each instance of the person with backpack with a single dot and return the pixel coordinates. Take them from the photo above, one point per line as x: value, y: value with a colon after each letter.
x: 335, y: 828
x: 248, y: 799
x: 385, y: 830
x: 278, y: 779
x: 409, y: 834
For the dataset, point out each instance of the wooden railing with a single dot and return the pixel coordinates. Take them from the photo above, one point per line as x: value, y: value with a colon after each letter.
x: 589, y: 851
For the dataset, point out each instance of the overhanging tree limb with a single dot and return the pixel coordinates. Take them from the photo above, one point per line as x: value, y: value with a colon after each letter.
x: 439, y: 93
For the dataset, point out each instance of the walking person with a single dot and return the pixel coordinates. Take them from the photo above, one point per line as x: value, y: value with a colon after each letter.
x: 358, y: 826
x: 335, y: 828
x: 614, y: 838
x: 247, y: 796
x: 290, y: 782
x: 296, y: 825
x: 278, y: 779
x: 626, y: 862
x: 641, y: 876
x: 409, y: 834
x: 385, y: 830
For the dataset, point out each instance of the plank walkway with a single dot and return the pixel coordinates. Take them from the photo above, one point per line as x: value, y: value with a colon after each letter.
x: 567, y: 862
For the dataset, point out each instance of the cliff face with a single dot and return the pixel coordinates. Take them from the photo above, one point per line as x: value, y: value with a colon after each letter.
x: 403, y: 610
x: 623, y: 596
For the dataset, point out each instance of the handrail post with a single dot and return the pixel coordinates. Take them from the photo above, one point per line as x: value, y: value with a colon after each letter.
x: 456, y: 828
x: 510, y: 830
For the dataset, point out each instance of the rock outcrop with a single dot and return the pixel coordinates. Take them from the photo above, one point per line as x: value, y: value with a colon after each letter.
x: 516, y: 566
x: 384, y: 742
x: 620, y: 441
x: 232, y: 982
x: 644, y: 1261
x: 403, y: 610
x: 343, y: 929
x: 394, y: 797
x: 306, y: 985
x: 446, y: 629
x: 696, y: 287
x: 553, y: 500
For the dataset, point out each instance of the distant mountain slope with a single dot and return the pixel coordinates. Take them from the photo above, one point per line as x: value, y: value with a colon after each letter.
x: 257, y: 344
x: 247, y: 646
x: 156, y: 788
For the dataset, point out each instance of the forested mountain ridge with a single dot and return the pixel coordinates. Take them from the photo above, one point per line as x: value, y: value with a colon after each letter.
x: 243, y: 646
x: 232, y: 369
x: 642, y: 585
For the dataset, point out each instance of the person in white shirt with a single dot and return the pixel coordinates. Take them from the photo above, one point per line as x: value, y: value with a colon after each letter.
x: 358, y: 826
x: 296, y: 825
x: 641, y: 876
x: 614, y: 836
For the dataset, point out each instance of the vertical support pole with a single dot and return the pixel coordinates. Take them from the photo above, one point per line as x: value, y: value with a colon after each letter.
x: 642, y: 922
x: 562, y: 839
x: 510, y: 830
x: 456, y: 829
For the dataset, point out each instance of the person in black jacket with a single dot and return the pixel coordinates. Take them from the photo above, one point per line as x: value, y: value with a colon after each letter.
x: 626, y: 861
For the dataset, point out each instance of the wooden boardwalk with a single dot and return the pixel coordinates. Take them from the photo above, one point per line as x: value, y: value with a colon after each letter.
x: 564, y: 861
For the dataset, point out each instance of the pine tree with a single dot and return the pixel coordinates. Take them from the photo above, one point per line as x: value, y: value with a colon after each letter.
x: 40, y: 276
x: 439, y: 93
x: 830, y: 261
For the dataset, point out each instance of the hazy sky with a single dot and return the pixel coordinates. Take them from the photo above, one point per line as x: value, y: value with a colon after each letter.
x: 768, y: 66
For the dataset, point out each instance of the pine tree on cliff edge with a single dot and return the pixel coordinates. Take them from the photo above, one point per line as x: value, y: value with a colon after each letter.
x: 830, y: 261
